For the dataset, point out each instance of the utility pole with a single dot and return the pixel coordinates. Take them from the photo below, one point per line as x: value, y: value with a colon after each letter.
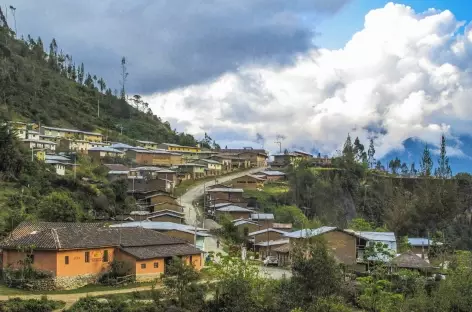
x: 98, y: 108
x: 13, y: 11
x: 278, y: 140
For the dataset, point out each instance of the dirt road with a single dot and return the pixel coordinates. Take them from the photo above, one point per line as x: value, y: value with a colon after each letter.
x: 193, y: 193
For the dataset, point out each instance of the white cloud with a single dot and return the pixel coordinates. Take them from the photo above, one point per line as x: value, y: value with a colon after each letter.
x: 405, y: 73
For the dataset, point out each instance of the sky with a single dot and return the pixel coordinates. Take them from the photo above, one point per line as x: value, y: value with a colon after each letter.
x: 308, y: 71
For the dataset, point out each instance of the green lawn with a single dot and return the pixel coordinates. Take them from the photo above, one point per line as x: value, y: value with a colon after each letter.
x: 4, y: 290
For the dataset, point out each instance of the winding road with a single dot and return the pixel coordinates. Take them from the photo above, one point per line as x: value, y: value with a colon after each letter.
x: 195, y: 192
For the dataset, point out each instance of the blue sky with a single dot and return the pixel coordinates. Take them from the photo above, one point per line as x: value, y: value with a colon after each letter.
x: 337, y: 30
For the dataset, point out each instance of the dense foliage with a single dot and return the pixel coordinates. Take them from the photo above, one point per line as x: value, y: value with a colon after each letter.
x: 31, y: 305
x: 318, y: 284
x: 45, y: 85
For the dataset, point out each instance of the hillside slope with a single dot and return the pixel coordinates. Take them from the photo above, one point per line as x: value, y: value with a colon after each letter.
x: 50, y: 88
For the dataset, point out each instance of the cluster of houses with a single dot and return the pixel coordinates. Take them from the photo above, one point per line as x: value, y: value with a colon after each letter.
x: 288, y: 158
x: 348, y: 247
x: 53, y: 145
x: 76, y: 254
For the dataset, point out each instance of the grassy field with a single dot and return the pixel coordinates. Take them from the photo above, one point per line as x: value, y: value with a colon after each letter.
x: 270, y: 195
x: 6, y: 291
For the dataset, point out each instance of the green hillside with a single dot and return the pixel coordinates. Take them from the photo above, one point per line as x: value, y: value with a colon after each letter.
x: 49, y: 87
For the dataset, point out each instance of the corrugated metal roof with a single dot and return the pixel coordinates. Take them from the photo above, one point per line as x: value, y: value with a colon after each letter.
x: 273, y: 242
x: 233, y: 208
x: 241, y: 222
x: 118, y: 172
x: 265, y: 231
x: 304, y: 233
x: 159, y: 226
x: 379, y: 236
x: 420, y: 241
x: 262, y: 216
x: 57, y: 157
x: 226, y: 190
x: 272, y: 173
x: 105, y: 149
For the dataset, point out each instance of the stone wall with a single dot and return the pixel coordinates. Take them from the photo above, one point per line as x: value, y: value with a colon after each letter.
x: 71, y: 282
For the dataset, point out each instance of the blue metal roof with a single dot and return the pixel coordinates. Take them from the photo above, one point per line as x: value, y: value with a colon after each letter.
x: 234, y: 208
x: 159, y: 226
x: 420, y: 241
x: 105, y: 149
x: 304, y: 233
x: 262, y: 216
x: 378, y: 236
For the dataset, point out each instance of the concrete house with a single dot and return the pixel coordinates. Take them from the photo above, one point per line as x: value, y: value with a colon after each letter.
x: 146, y: 157
x: 148, y: 144
x: 269, y: 248
x: 342, y: 244
x: 233, y: 212
x: 116, y: 171
x: 167, y: 206
x: 158, y: 197
x: 266, y: 235
x: 420, y: 245
x: 167, y: 216
x: 98, y: 153
x: 188, y: 152
x: 232, y: 195
x: 213, y: 167
x: 195, y: 170
x: 76, y: 254
x: 246, y: 226
x: 39, y: 144
x: 265, y: 220
x: 248, y: 181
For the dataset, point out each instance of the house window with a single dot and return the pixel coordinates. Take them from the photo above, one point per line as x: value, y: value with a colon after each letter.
x: 156, y: 265
x: 143, y: 265
x: 105, y: 256
x: 191, y: 260
x: 30, y: 258
x: 87, y: 256
x: 66, y: 260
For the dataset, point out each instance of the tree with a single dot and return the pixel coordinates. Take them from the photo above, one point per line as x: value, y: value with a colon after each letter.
x: 348, y: 151
x: 315, y: 273
x: 359, y: 152
x: 58, y: 207
x: 378, y: 165
x: 394, y: 165
x: 240, y: 287
x: 371, y: 154
x: 360, y: 224
x: 426, y: 163
x: 181, y: 285
x: 404, y: 170
x: 124, y: 76
x: 444, y: 170
x: 101, y: 84
x: 81, y: 73
x: 413, y: 171
x: 89, y: 81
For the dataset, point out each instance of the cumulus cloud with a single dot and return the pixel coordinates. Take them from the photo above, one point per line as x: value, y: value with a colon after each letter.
x: 173, y: 43
x: 404, y: 75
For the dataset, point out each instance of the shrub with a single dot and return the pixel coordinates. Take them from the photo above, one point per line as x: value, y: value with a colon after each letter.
x: 30, y: 305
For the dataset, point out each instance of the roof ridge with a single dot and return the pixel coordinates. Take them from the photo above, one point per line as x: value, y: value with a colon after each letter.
x: 55, y: 236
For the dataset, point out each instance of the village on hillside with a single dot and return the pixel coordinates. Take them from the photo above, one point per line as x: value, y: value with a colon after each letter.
x: 162, y: 227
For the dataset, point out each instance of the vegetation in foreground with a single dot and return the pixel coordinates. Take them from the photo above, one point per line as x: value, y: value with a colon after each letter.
x: 318, y: 284
x: 30, y: 305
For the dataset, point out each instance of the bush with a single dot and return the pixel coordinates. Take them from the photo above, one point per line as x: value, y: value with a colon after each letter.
x: 30, y: 305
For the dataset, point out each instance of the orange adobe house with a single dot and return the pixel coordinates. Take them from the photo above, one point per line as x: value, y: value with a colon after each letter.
x: 77, y: 254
